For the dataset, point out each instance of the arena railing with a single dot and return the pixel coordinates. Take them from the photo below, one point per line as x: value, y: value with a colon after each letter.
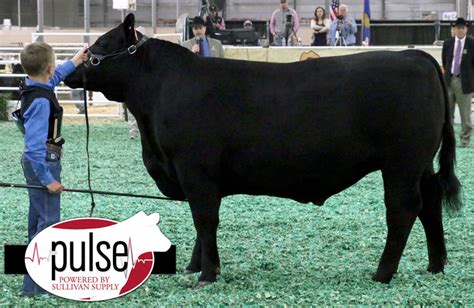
x: 62, y: 52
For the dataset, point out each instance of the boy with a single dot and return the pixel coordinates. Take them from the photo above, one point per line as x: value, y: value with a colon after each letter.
x: 40, y: 120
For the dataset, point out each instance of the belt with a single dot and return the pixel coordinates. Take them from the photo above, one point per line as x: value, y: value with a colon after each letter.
x: 459, y: 75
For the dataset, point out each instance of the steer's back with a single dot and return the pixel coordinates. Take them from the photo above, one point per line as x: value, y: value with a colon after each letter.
x: 309, y: 130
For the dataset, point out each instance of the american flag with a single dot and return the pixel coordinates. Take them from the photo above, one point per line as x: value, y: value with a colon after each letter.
x: 334, y: 9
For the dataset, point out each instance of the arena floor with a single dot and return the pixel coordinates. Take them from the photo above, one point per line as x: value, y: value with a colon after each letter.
x: 273, y: 251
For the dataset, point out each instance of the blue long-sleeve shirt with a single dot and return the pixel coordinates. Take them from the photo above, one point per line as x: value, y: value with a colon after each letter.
x: 36, y: 121
x: 348, y: 31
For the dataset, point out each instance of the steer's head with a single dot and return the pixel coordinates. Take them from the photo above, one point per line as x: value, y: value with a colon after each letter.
x: 104, y: 72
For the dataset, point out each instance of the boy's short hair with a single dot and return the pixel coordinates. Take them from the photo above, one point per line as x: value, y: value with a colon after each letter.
x: 36, y: 57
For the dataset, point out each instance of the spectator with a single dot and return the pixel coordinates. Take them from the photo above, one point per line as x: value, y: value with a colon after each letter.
x: 458, y: 63
x: 249, y: 26
x: 213, y: 21
x: 133, y: 131
x: 343, y: 27
x: 201, y: 44
x: 320, y: 25
x: 78, y: 95
x: 283, y: 27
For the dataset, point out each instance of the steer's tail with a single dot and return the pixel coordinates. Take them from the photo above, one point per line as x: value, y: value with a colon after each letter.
x: 450, y: 186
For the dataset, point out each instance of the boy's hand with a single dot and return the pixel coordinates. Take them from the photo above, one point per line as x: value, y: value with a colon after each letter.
x: 55, y: 187
x: 80, y: 57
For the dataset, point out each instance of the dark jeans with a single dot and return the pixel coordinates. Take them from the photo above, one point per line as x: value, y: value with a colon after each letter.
x: 44, y: 211
x: 320, y: 39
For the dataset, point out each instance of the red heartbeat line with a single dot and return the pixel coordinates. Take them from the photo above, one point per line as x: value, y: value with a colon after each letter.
x: 129, y: 254
x: 36, y: 253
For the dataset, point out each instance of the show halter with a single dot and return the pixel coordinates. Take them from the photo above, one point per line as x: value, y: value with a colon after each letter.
x: 95, y: 59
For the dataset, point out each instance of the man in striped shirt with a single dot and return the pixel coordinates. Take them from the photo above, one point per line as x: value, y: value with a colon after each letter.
x: 283, y: 27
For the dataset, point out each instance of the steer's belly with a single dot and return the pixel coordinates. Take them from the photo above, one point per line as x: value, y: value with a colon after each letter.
x: 314, y: 183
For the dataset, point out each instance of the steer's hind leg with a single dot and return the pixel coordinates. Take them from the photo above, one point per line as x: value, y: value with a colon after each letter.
x: 403, y: 203
x: 431, y: 218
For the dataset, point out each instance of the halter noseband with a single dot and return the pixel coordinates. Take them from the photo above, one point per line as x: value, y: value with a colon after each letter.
x: 95, y: 59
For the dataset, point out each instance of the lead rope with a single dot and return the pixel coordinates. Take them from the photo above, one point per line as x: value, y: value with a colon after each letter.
x: 84, y: 82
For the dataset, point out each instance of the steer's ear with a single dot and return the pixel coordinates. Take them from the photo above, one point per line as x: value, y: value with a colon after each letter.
x: 129, y: 28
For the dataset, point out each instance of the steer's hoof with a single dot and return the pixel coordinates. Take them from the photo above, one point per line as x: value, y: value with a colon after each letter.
x: 433, y: 269
x: 438, y: 267
x: 201, y: 284
x: 383, y: 278
x: 189, y: 272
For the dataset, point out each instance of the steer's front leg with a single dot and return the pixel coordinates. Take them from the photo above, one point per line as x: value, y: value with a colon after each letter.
x: 194, y: 265
x: 203, y: 196
x: 206, y: 220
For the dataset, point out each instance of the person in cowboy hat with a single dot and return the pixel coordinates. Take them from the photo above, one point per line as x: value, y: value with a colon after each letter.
x: 213, y: 21
x: 201, y: 44
x: 458, y: 63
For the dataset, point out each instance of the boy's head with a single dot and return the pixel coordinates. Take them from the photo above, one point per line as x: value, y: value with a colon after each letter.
x: 38, y: 59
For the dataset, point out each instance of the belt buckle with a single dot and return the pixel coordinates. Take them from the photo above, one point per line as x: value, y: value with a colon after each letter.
x: 53, y: 156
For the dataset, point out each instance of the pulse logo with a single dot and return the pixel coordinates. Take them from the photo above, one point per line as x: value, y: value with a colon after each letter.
x: 91, y: 259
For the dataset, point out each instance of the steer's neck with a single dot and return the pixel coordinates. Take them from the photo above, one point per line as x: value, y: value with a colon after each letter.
x: 120, y: 84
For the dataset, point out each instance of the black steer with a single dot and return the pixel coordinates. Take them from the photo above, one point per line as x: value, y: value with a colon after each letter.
x: 306, y: 131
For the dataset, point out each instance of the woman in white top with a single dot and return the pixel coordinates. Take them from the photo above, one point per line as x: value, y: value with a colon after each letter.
x: 320, y: 25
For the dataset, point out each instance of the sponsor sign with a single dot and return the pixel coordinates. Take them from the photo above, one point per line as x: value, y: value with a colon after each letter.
x: 90, y: 259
